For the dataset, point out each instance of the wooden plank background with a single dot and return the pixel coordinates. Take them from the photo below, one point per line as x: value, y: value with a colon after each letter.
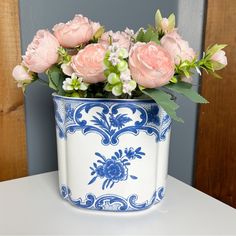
x: 216, y: 140
x: 13, y: 163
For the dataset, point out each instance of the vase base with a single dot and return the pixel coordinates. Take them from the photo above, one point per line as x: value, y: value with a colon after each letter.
x: 112, y: 202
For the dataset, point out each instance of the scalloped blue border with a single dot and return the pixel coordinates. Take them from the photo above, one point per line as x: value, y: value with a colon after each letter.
x: 112, y: 202
x: 159, y: 128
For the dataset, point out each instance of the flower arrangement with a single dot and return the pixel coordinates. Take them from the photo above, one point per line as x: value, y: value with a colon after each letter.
x: 81, y: 60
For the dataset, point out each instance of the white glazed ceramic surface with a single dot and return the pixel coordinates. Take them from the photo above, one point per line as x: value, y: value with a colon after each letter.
x: 112, y: 154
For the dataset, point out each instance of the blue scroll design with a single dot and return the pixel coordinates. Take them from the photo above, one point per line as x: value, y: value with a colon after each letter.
x: 113, y: 202
x: 110, y: 120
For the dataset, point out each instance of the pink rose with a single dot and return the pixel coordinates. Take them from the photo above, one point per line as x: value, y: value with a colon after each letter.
x: 81, y: 20
x: 22, y: 75
x: 151, y: 65
x: 121, y: 39
x: 88, y: 63
x: 219, y: 60
x: 177, y: 47
x: 74, y: 32
x: 42, y: 52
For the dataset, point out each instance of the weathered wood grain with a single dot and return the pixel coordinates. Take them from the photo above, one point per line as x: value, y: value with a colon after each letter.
x: 13, y: 163
x: 216, y: 136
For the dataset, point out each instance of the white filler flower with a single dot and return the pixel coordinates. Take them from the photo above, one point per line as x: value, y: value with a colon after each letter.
x: 74, y: 83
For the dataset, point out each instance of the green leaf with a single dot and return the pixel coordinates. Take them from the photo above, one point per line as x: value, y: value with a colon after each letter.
x: 215, y: 75
x: 53, y: 83
x: 56, y: 78
x: 186, y: 73
x: 149, y: 35
x: 186, y: 90
x: 174, y: 80
x: 155, y: 38
x: 140, y: 36
x: 165, y: 101
x: 208, y: 65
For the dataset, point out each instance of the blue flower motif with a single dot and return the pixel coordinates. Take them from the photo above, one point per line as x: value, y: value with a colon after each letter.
x: 132, y: 154
x: 100, y: 171
x: 114, y: 169
x: 119, y: 121
x: 153, y: 115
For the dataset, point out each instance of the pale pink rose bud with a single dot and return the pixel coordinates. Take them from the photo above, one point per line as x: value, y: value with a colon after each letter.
x: 165, y: 25
x: 120, y: 39
x: 22, y: 75
x: 95, y: 26
x: 220, y: 59
x: 67, y: 69
x: 42, y: 52
x: 151, y: 65
x: 74, y: 32
x: 88, y: 63
x: 177, y: 47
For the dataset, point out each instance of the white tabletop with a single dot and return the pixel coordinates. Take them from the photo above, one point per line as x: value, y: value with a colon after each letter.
x: 33, y: 206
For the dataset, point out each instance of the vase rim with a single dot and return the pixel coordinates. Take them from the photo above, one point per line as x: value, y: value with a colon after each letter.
x: 104, y: 99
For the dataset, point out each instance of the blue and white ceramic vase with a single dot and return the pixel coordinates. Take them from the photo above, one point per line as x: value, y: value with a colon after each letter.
x: 112, y: 153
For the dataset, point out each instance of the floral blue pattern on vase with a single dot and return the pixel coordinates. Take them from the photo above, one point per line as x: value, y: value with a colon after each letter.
x: 112, y: 202
x: 114, y: 169
x: 111, y: 152
x: 111, y: 121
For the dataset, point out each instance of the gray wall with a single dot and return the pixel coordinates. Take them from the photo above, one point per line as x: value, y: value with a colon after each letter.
x: 181, y: 165
x: 116, y: 15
